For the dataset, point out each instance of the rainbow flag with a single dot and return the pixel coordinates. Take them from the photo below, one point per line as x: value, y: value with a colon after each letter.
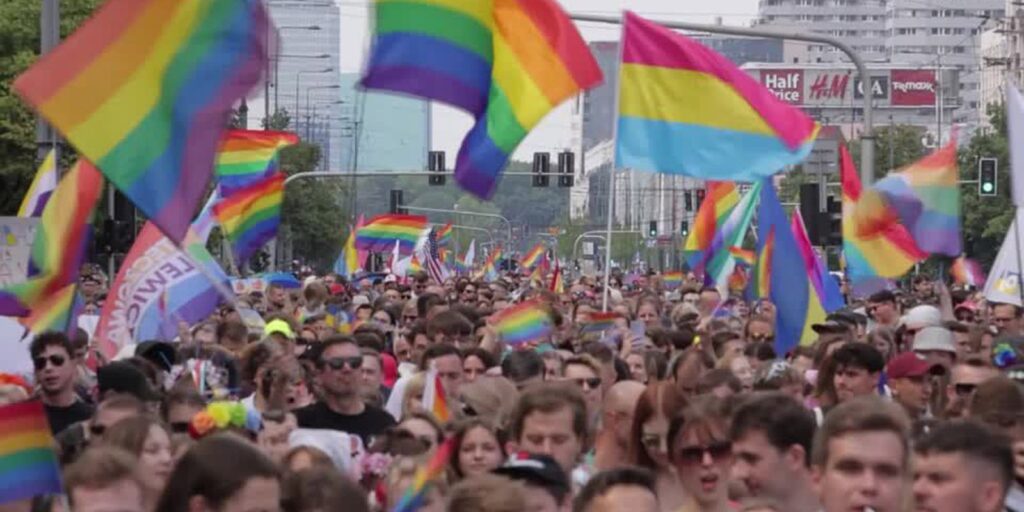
x: 506, y: 62
x: 250, y: 217
x: 434, y: 400
x: 924, y: 197
x: 599, y: 322
x: 738, y: 280
x: 884, y: 251
x: 557, y: 280
x: 672, y: 279
x: 41, y: 188
x: 59, y: 243
x: 490, y: 269
x: 144, y: 88
x: 414, y: 265
x: 247, y: 156
x: 533, y: 256
x: 722, y: 197
x: 464, y: 264
x: 684, y: 109
x: 744, y: 256
x: 825, y: 286
x: 763, y: 268
x: 28, y: 462
x: 382, y: 232
x: 348, y: 262
x: 525, y: 322
x: 717, y: 260
x: 444, y: 235
x: 57, y: 312
x: 967, y: 271
x: 412, y: 498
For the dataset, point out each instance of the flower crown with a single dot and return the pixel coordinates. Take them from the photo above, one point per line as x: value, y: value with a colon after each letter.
x: 223, y: 415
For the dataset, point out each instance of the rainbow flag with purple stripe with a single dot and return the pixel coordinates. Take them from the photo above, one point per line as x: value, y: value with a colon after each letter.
x: 382, y: 231
x: 508, y: 63
x: 412, y: 498
x: 533, y: 256
x: 144, y: 89
x: 684, y: 109
x: 250, y: 217
x: 444, y: 235
x: 28, y: 462
x: 523, y: 323
x: 248, y: 156
x: 599, y: 322
x: 825, y: 286
x: 672, y: 279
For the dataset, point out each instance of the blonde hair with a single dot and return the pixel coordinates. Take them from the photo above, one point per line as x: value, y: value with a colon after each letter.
x: 487, y: 493
x: 413, y: 389
x: 491, y: 398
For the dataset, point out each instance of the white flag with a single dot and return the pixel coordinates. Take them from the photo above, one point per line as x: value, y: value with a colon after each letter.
x: 1015, y: 126
x: 470, y: 254
x: 1003, y: 283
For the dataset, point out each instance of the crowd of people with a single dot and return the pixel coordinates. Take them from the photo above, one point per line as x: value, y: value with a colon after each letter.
x: 906, y: 400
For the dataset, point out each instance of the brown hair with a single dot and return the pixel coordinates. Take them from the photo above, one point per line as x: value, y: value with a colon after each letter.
x: 321, y: 488
x: 461, y: 429
x: 706, y: 413
x: 861, y: 414
x: 316, y: 455
x: 659, y: 398
x: 100, y: 467
x: 550, y: 397
x: 130, y: 434
x: 490, y: 397
x: 487, y: 493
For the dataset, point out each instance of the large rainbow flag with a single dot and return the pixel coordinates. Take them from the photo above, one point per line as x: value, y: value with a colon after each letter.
x: 28, y: 461
x: 41, y: 188
x: 886, y: 251
x: 144, y: 90
x: 684, y: 109
x: 250, y: 217
x: 506, y: 62
x: 382, y: 232
x: 722, y: 197
x: 247, y: 156
x: 59, y: 244
x: 924, y: 196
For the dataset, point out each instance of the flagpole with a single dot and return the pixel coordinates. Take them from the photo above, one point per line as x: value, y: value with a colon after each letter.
x: 1016, y: 241
x: 611, y: 173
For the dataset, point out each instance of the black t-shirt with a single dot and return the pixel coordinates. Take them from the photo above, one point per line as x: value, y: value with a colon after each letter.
x: 373, y: 421
x: 63, y: 417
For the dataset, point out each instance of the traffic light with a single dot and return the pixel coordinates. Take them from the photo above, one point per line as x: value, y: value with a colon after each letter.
x: 541, y: 169
x: 688, y: 200
x: 685, y: 228
x: 652, y: 229
x: 700, y: 197
x: 834, y: 222
x: 397, y: 202
x: 566, y: 169
x: 810, y: 210
x: 436, y: 166
x: 987, y: 170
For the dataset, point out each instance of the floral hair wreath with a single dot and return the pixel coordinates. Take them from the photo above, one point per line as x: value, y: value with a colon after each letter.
x: 220, y: 416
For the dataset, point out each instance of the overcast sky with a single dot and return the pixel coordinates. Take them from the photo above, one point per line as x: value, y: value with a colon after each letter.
x: 553, y: 133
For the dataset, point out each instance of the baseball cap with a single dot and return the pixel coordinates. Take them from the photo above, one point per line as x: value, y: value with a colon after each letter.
x: 537, y: 469
x: 279, y: 326
x: 922, y: 316
x: 830, y: 326
x: 909, y: 364
x: 124, y: 377
x: 934, y: 338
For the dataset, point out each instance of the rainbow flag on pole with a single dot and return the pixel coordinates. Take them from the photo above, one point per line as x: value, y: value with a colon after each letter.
x: 533, y: 256
x: 672, y: 279
x: 57, y: 312
x: 250, y: 217
x: 761, y: 284
x: 444, y: 235
x: 382, y: 232
x: 490, y: 269
x: 523, y: 323
x: 42, y: 186
x: 557, y: 280
x: 28, y: 462
x: 434, y: 400
x: 144, y: 88
x: 412, y: 498
x: 506, y: 62
x: 722, y: 197
x: 247, y: 156
x: 684, y: 109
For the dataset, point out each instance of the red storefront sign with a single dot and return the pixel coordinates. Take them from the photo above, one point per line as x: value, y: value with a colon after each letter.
x: 786, y: 84
x: 913, y: 88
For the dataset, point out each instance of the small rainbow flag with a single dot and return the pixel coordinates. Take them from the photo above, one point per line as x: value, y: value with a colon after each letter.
x: 444, y: 235
x: 57, y: 312
x: 247, y: 156
x: 524, y: 322
x: 143, y: 89
x: 599, y: 322
x: 414, y: 264
x: 967, y: 271
x: 382, y: 232
x: 743, y: 256
x: 251, y: 216
x: 672, y: 279
x: 532, y: 257
x: 490, y: 270
x: 722, y: 197
x: 28, y: 463
x: 684, y: 109
x: 557, y: 281
x: 506, y: 62
x: 412, y: 498
x: 41, y: 188
x: 763, y: 268
x: 434, y: 399
x: 738, y: 280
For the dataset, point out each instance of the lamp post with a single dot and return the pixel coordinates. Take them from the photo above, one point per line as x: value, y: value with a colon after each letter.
x: 277, y: 61
x: 298, y: 75
x: 316, y: 87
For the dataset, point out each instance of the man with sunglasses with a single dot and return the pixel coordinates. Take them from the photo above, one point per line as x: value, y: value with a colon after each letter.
x: 341, y: 406
x: 883, y: 310
x: 1006, y: 318
x: 964, y: 378
x: 55, y: 378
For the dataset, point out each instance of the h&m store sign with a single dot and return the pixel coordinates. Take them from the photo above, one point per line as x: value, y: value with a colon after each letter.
x: 826, y: 88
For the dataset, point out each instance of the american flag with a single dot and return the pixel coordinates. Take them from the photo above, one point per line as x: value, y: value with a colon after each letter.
x: 432, y: 259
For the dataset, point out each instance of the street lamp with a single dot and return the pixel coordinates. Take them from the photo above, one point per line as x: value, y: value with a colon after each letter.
x: 297, y: 76
x: 315, y: 87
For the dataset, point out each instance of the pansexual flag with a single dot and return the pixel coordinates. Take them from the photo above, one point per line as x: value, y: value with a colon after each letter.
x: 722, y: 197
x: 967, y: 271
x: 28, y: 462
x: 250, y: 217
x: 382, y: 232
x: 247, y: 156
x: 144, y: 88
x: 506, y: 62
x: 882, y: 251
x: 42, y: 186
x: 684, y: 109
x: 523, y: 323
x: 924, y: 197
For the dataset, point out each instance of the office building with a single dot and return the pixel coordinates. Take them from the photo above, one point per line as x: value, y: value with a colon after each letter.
x: 858, y: 23
x: 381, y: 131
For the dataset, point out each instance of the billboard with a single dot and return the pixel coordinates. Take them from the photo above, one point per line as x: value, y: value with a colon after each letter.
x: 913, y: 87
x: 822, y: 87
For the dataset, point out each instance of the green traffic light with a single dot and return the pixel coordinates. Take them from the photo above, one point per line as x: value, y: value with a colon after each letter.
x: 988, y: 187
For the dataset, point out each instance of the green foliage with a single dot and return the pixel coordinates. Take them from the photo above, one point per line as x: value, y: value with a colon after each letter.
x: 311, y: 215
x: 986, y: 219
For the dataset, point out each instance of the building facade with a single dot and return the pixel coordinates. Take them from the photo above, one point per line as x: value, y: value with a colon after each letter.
x: 381, y: 131
x: 858, y: 23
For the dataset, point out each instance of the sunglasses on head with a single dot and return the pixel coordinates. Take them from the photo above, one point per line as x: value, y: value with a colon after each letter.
x: 337, y: 363
x: 592, y: 383
x: 55, y: 360
x: 692, y: 455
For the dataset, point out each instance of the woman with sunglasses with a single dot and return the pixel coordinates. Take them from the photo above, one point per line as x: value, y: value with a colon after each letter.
x: 700, y: 451
x: 648, y: 444
x: 150, y: 441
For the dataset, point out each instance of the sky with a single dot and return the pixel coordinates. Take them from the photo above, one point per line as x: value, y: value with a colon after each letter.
x: 553, y: 133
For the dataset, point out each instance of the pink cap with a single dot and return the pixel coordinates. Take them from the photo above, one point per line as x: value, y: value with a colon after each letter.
x: 389, y: 369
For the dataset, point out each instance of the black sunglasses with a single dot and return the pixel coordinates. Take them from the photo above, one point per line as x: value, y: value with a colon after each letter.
x: 964, y: 389
x: 592, y: 383
x: 762, y: 337
x: 179, y: 427
x: 337, y: 363
x: 719, y: 450
x: 55, y: 360
x: 97, y: 430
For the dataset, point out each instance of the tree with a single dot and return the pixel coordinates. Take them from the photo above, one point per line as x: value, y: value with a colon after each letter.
x: 312, y: 218
x: 985, y: 220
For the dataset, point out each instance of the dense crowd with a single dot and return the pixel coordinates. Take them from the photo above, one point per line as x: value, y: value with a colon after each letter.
x: 906, y: 400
